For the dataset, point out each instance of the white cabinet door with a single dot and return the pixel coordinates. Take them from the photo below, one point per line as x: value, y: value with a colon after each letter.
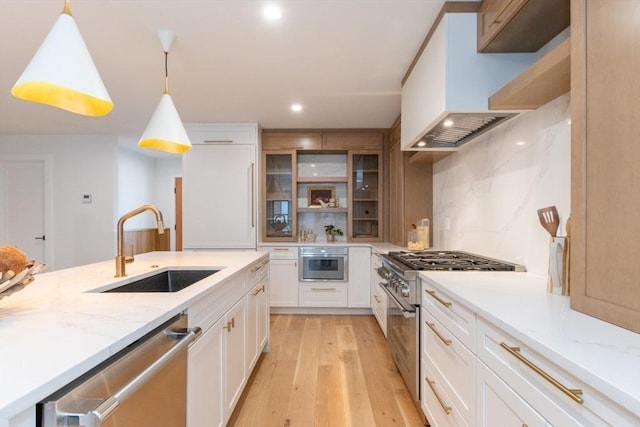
x: 499, y: 405
x: 359, y: 277
x: 378, y: 295
x: 283, y: 283
x: 257, y: 312
x: 235, y: 329
x: 219, y: 197
x: 205, y: 379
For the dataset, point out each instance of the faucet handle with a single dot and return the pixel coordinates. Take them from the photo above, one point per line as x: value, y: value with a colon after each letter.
x: 129, y: 259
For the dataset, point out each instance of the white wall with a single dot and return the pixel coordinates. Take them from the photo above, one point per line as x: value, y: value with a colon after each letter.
x: 79, y: 233
x: 486, y: 195
x: 135, y: 187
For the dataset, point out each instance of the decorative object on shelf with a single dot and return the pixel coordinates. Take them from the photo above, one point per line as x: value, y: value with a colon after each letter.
x: 15, y: 271
x: 62, y: 73
x: 332, y: 231
x: 165, y: 131
x: 318, y: 197
x: 279, y: 222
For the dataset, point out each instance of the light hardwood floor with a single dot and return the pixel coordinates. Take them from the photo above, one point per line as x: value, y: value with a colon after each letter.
x: 325, y: 371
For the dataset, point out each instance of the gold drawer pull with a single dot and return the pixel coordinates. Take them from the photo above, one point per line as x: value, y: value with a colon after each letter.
x: 574, y: 394
x: 431, y: 384
x: 257, y: 291
x: 432, y: 326
x: 323, y: 289
x: 437, y: 298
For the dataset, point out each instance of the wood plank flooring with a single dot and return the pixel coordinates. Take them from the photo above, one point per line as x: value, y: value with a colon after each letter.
x: 325, y: 371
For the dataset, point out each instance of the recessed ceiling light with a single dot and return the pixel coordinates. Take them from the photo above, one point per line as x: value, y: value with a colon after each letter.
x: 422, y: 143
x: 272, y: 12
x: 296, y: 107
x: 447, y: 123
x: 521, y: 143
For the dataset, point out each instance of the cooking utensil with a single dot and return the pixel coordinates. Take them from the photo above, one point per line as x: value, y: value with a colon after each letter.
x: 549, y: 219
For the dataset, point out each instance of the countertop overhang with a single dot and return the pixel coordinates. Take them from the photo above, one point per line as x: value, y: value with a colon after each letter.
x: 54, y: 331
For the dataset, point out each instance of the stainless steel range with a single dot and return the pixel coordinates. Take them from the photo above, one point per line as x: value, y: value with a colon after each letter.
x: 399, y: 272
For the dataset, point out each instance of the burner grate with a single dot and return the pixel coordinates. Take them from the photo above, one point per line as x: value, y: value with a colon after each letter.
x: 452, y: 261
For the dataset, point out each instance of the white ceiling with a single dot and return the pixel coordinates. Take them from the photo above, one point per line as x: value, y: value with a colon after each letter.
x: 343, y: 60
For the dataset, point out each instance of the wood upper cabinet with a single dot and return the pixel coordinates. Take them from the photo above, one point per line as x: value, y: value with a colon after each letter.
x: 352, y: 141
x: 605, y: 172
x: 410, y: 190
x: 520, y: 25
x: 291, y: 140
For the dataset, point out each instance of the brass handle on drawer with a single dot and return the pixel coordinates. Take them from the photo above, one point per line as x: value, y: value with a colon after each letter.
x: 432, y: 326
x: 257, y: 291
x: 323, y: 289
x: 431, y: 384
x: 280, y: 249
x: 437, y: 298
x: 377, y: 299
x: 572, y: 393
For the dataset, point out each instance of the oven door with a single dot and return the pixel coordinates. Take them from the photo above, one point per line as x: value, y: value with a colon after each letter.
x: 403, y: 322
x: 315, y: 265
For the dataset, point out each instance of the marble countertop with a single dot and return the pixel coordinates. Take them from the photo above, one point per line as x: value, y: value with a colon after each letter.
x: 53, y: 331
x: 603, y: 355
x: 377, y: 247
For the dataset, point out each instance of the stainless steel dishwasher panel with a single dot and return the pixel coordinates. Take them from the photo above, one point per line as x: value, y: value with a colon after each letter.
x: 144, y: 385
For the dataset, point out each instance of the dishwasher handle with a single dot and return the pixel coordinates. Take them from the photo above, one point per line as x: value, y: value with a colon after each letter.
x: 96, y: 417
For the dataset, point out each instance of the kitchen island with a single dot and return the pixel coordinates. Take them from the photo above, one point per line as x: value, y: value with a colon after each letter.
x: 58, y: 327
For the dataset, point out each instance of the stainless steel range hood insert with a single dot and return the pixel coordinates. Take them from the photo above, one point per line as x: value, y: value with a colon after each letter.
x: 457, y: 128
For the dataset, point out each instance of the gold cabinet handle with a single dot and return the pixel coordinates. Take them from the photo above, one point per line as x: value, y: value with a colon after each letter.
x: 437, y: 298
x: 257, y: 291
x: 574, y: 394
x: 431, y: 384
x: 281, y: 249
x: 377, y: 299
x: 432, y: 326
x: 323, y: 289
x: 228, y: 327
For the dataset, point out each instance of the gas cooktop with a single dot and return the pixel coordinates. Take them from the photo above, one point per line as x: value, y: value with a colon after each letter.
x: 452, y: 261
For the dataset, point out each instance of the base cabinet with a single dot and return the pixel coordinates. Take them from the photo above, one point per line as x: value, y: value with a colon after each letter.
x: 284, y: 283
x: 234, y: 355
x: 205, y: 379
x: 234, y: 320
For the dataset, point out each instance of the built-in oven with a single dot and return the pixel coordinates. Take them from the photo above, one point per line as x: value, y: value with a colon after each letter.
x: 317, y: 263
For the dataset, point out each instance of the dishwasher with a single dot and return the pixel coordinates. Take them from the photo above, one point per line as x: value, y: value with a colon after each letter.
x: 144, y: 385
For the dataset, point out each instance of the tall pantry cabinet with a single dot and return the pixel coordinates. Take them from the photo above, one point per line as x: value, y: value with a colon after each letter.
x: 605, y: 172
x: 220, y: 186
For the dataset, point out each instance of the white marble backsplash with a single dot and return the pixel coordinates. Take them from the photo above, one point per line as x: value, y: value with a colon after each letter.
x: 487, y: 194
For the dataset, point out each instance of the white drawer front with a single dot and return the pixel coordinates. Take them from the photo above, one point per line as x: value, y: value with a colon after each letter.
x: 281, y: 252
x: 549, y: 400
x: 324, y: 294
x: 451, y: 362
x: 499, y: 405
x: 459, y: 320
x: 436, y: 403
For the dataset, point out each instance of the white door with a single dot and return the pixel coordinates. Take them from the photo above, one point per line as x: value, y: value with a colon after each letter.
x: 22, y: 207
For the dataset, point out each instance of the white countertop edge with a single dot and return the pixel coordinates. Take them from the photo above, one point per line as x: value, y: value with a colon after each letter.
x: 480, y: 297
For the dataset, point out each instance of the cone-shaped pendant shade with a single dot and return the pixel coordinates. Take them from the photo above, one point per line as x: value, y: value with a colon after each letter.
x: 165, y: 131
x: 62, y: 73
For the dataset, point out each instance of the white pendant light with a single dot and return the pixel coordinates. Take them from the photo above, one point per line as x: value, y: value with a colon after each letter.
x: 62, y: 73
x: 165, y: 131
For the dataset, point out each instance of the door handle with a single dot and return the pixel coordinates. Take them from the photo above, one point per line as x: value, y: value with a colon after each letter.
x: 40, y: 238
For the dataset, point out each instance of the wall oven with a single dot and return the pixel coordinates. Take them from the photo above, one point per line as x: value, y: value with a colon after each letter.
x: 323, y: 264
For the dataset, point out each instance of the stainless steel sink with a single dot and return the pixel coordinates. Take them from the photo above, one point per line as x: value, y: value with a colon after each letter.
x: 167, y: 281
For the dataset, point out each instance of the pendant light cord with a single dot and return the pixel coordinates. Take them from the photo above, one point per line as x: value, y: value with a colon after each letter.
x: 166, y: 73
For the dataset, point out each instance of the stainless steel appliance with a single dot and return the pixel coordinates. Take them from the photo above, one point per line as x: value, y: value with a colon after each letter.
x: 399, y: 273
x: 323, y: 264
x: 145, y: 385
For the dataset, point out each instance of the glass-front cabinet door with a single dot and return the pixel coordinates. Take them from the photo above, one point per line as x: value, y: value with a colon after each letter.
x: 278, y: 195
x: 365, y: 195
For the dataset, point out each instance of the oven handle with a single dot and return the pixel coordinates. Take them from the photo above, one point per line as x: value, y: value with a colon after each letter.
x: 106, y: 408
x: 408, y: 311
